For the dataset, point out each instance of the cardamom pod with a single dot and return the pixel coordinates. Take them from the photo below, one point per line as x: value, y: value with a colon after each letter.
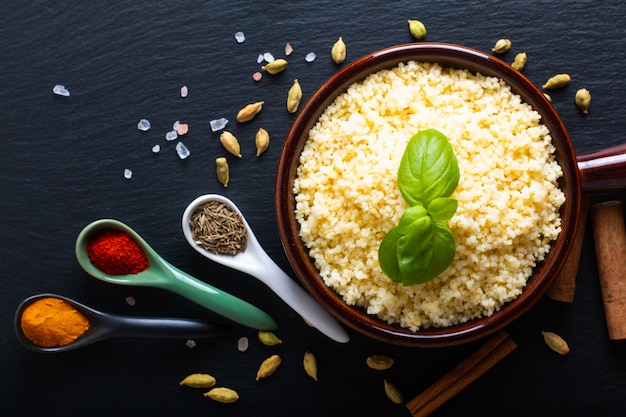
x: 198, y: 381
x: 222, y: 395
x: 262, y: 141
x: 275, y: 66
x: 269, y: 338
x: 520, y: 61
x: 557, y: 81
x: 248, y: 112
x: 556, y: 342
x: 501, y: 46
x: 230, y: 142
x: 547, y: 96
x: 222, y: 171
x: 393, y: 393
x: 294, y: 96
x: 583, y: 99
x: 379, y: 362
x: 310, y: 365
x: 268, y: 367
x: 338, y: 51
x: 417, y: 29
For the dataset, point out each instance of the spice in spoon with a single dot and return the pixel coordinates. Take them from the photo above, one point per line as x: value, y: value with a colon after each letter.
x: 51, y: 322
x: 115, y: 252
x: 218, y: 229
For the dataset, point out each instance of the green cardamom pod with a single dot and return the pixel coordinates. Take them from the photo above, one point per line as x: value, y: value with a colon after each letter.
x: 275, y: 66
x: 557, y: 81
x: 198, y: 381
x: 501, y: 46
x: 231, y: 144
x: 379, y: 362
x: 268, y: 367
x: 338, y: 51
x: 583, y: 99
x: 222, y: 395
x: 555, y: 342
x: 310, y: 365
x: 393, y: 393
x: 520, y: 61
x: 248, y: 112
x: 262, y: 141
x: 222, y: 171
x: 294, y: 96
x: 417, y: 29
x: 269, y: 338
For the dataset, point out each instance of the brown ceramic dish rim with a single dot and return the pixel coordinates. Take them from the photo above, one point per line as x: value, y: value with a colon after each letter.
x: 450, y: 56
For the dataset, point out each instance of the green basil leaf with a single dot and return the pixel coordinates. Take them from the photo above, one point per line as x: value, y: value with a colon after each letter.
x: 428, y: 168
x: 387, y: 254
x: 411, y: 215
x: 424, y: 255
x: 442, y: 208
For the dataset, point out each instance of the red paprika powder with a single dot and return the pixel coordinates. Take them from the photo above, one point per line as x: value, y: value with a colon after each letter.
x: 115, y: 252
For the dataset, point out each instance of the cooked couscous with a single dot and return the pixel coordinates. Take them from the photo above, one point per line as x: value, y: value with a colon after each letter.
x: 347, y: 196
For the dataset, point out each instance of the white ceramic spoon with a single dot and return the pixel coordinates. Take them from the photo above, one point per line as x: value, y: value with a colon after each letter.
x: 256, y: 262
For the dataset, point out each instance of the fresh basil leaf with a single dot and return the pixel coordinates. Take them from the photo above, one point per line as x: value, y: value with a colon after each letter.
x: 425, y: 255
x: 442, y: 208
x: 411, y: 215
x: 387, y: 254
x: 428, y: 168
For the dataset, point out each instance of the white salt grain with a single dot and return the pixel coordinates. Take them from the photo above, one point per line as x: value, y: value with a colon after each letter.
x: 190, y: 343
x: 259, y: 59
x: 242, y: 344
x: 128, y: 174
x: 143, y: 125
x: 182, y: 150
x: 60, y: 90
x: 171, y: 135
x: 156, y: 148
x: 240, y: 37
x: 310, y: 57
x: 218, y: 124
x: 184, y: 91
x: 268, y: 57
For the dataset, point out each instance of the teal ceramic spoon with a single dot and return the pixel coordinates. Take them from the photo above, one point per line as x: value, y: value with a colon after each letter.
x: 161, y: 274
x: 106, y: 326
x: 256, y: 262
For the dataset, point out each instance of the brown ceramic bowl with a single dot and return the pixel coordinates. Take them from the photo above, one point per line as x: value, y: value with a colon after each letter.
x: 582, y: 173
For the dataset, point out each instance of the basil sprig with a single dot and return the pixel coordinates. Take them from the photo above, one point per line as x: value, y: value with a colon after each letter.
x: 422, y: 246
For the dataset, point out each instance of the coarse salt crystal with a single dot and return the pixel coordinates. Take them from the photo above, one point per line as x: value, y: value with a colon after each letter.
x: 156, y: 148
x: 60, y: 90
x: 184, y: 91
x: 130, y: 301
x: 268, y: 57
x: 182, y: 129
x: 257, y: 76
x: 240, y: 37
x: 310, y: 57
x: 144, y: 125
x: 171, y: 135
x: 218, y: 124
x: 242, y: 344
x: 182, y: 150
x: 128, y: 174
x: 288, y: 49
x: 190, y: 343
x: 259, y: 59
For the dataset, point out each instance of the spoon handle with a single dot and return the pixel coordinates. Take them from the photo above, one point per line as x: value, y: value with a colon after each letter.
x: 298, y: 299
x: 159, y: 327
x: 219, y: 301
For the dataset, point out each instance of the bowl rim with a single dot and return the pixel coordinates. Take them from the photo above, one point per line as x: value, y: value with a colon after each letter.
x: 355, y: 317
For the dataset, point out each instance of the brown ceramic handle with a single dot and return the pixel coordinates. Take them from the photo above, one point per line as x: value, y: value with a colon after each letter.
x: 603, y: 170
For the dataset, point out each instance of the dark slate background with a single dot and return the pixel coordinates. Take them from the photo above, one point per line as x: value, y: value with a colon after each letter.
x: 62, y: 161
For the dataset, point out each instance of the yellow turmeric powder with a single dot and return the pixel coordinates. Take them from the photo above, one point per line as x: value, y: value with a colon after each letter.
x: 51, y: 322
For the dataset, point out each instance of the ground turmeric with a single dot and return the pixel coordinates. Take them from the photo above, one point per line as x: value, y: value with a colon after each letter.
x: 50, y: 322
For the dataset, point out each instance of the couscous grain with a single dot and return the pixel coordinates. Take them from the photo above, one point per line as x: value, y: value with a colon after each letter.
x: 347, y: 196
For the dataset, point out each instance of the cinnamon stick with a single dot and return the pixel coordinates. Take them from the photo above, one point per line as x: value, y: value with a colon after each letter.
x: 563, y: 287
x: 610, y: 243
x: 463, y: 374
